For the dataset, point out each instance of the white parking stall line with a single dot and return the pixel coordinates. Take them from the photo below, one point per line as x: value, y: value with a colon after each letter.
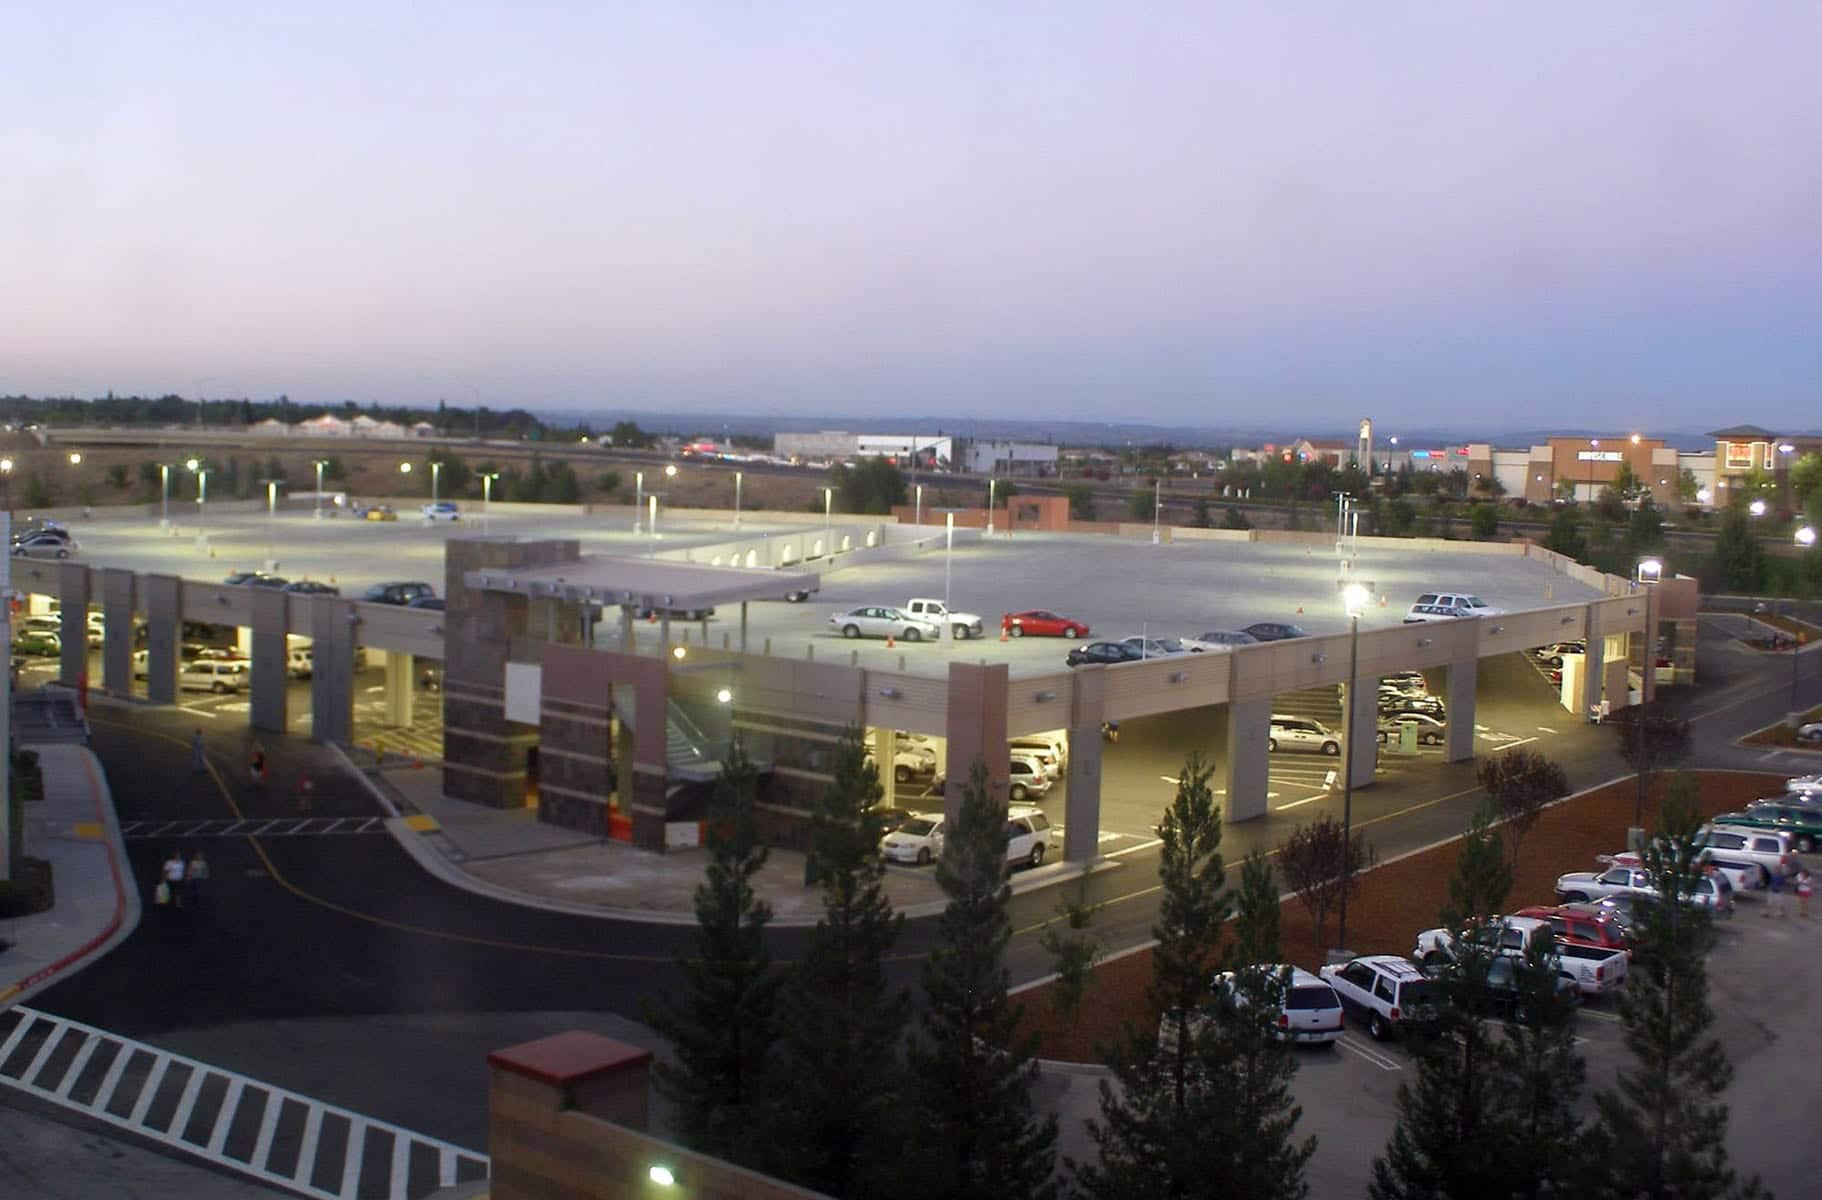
x: 1300, y: 803
x: 1517, y: 742
x: 1371, y: 1055
x: 1135, y: 849
x: 351, y: 1157
x: 1545, y: 729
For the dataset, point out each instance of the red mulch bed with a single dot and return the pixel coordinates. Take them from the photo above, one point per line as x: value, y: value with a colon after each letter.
x: 1781, y: 734
x: 1394, y: 903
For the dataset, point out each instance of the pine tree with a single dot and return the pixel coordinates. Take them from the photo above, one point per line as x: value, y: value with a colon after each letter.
x: 723, y: 1026
x: 1152, y: 1124
x: 1538, y: 1056
x: 1454, y: 1129
x: 973, y: 1072
x: 1663, y: 1132
x: 838, y: 1086
x: 1256, y: 913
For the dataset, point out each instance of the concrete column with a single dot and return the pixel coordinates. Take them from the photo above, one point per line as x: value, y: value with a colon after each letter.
x: 1592, y: 666
x: 1360, y: 738
x: 270, y: 683
x: 73, y: 592
x: 1248, y: 768
x: 885, y: 753
x: 332, y: 633
x: 117, y: 631
x: 1458, y: 743
x: 979, y: 696
x: 399, y: 668
x: 626, y: 629
x: 162, y: 596
x: 1082, y: 815
x: 743, y: 626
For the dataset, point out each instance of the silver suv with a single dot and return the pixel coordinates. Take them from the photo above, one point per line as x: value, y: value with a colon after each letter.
x: 1446, y: 606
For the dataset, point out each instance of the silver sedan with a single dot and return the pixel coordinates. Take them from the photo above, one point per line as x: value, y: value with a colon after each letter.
x: 878, y: 621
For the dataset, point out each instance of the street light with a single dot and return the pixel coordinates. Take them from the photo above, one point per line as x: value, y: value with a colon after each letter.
x: 919, y: 520
x: 202, y: 497
x: 75, y: 458
x: 6, y: 473
x: 948, y: 553
x: 990, y: 487
x: 828, y: 516
x: 1806, y: 536
x: 317, y: 512
x: 1157, y: 505
x: 638, y: 497
x: 1354, y: 597
x: 436, y: 480
x: 487, y: 478
x: 1756, y: 508
x: 738, y: 477
x: 1594, y: 451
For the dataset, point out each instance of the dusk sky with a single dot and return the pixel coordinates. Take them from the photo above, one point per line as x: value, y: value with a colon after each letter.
x: 1452, y: 214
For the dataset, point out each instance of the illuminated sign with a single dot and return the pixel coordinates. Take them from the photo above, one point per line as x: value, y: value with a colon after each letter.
x: 1598, y: 456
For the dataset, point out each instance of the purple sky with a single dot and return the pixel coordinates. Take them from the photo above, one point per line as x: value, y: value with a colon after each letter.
x: 1442, y: 213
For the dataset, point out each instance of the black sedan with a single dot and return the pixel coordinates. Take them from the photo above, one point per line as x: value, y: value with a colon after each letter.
x: 1275, y: 631
x: 1104, y: 652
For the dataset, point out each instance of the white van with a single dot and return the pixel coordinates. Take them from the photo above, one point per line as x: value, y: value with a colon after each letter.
x: 1446, y: 606
x: 213, y: 675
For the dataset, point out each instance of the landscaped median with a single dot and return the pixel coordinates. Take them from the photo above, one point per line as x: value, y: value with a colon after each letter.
x: 1395, y: 901
x: 1784, y: 733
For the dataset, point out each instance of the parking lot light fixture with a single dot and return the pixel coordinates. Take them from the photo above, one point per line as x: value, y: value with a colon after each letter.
x: 662, y: 1175
x: 1756, y: 508
x: 164, y: 491
x: 1355, y: 598
x: 316, y: 513
x: 75, y: 458
x: 1650, y: 568
x: 1806, y: 536
x: 828, y: 515
x: 6, y: 475
x: 948, y: 553
x: 436, y: 479
x: 918, y: 519
x: 739, y: 478
x: 638, y: 497
x: 724, y: 696
x: 991, y: 484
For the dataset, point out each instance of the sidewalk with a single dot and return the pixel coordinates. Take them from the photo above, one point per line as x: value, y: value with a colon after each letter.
x: 510, y: 855
x: 73, y: 828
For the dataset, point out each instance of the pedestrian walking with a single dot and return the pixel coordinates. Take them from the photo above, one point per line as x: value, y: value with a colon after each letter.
x: 199, y: 761
x: 257, y: 766
x: 195, y: 875
x: 172, y: 883
x: 1805, y: 887
x: 1776, y: 907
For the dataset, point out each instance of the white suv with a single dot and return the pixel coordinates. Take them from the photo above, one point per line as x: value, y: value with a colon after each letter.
x: 1446, y: 606
x: 1302, y: 733
x: 213, y: 675
x: 1027, y: 836
x: 1384, y: 990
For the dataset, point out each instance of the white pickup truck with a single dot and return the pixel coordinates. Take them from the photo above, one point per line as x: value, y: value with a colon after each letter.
x: 963, y: 624
x: 1596, y: 970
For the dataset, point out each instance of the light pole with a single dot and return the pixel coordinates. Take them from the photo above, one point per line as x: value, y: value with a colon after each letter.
x: 202, y: 498
x: 828, y: 516
x: 487, y: 478
x: 738, y: 476
x: 316, y: 513
x: 6, y: 474
x: 436, y: 480
x: 164, y: 493
x: 1806, y: 538
x: 1157, y: 506
x: 920, y: 505
x: 948, y: 553
x: 272, y: 498
x: 653, y: 529
x: 1594, y: 450
x: 991, y: 483
x: 638, y: 497
x: 1354, y: 596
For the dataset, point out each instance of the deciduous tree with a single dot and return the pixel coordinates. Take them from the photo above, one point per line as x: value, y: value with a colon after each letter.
x: 1651, y: 740
x: 1318, y: 862
x: 1521, y: 782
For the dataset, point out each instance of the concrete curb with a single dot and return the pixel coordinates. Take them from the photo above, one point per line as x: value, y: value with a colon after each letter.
x: 126, y: 900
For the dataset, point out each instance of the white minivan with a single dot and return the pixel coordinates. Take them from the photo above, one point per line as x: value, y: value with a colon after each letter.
x: 1446, y: 606
x: 213, y: 675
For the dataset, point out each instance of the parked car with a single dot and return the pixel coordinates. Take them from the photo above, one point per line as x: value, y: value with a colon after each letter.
x: 1027, y: 834
x: 879, y: 621
x: 1810, y: 733
x: 1302, y: 733
x: 1803, y: 783
x: 1430, y: 730
x: 909, y: 762
x: 212, y: 675
x: 1556, y: 650
x: 1504, y: 996
x: 919, y: 840
x: 44, y: 545
x: 310, y: 587
x: 442, y: 510
x: 1507, y: 935
x: 37, y: 642
x: 1804, y: 821
x: 40, y: 528
x: 1447, y: 606
x: 1103, y: 652
x: 39, y: 624
x: 396, y: 593
x: 1713, y: 891
x: 1770, y: 849
x: 1220, y: 639
x: 377, y: 512
x: 1274, y: 631
x: 1581, y: 924
x: 1027, y: 778
x: 1386, y: 991
x: 1309, y: 1012
x: 1406, y: 681
x: 433, y: 603
x: 1042, y: 749
x: 1160, y: 647
x: 1041, y: 622
x: 1395, y: 703
x: 300, y: 663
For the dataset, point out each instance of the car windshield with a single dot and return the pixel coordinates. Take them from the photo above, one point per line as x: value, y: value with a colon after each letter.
x: 918, y: 827
x: 1476, y: 602
x: 1312, y: 997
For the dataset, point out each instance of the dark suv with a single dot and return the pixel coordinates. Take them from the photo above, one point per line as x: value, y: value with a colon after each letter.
x: 397, y: 593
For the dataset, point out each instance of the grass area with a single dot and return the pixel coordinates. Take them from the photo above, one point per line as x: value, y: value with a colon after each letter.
x: 1396, y: 901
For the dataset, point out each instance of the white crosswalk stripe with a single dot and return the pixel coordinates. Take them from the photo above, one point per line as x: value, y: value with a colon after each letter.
x: 254, y: 1129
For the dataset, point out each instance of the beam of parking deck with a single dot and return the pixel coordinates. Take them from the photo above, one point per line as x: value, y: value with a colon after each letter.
x: 73, y: 589
x: 117, y: 631
x: 1082, y: 809
x: 271, y: 682
x: 1458, y: 738
x: 1248, y: 767
x: 332, y: 632
x: 162, y: 596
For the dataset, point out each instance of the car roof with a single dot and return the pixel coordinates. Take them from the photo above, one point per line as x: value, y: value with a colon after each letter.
x: 1391, y: 964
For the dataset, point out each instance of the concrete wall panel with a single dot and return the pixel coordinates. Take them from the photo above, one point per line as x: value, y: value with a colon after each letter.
x: 117, y: 596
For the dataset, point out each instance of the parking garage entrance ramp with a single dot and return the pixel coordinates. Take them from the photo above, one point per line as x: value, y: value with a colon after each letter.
x: 660, y: 585
x: 239, y: 1124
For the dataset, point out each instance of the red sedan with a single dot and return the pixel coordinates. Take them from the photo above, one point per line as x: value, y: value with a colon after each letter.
x: 1040, y: 622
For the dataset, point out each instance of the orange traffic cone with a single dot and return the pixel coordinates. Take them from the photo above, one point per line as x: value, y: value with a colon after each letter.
x: 1300, y: 608
x: 889, y: 642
